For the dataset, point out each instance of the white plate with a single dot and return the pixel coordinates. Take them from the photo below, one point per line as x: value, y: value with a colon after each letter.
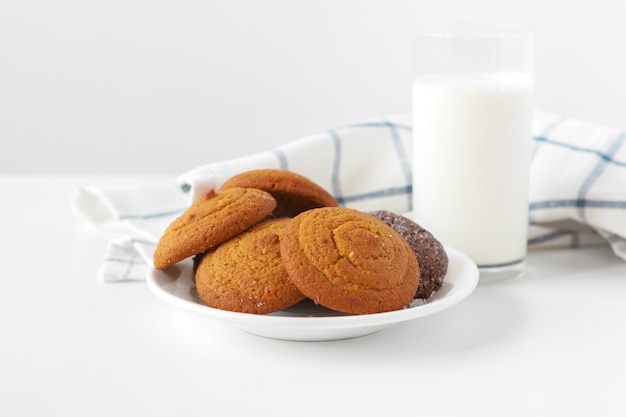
x: 307, y: 321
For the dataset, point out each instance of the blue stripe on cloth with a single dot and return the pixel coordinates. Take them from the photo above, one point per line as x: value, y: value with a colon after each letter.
x: 577, y: 202
x: 606, y: 157
x: 381, y: 124
x: 282, y: 159
x: 336, y: 183
x: 536, y: 144
x: 151, y: 215
x: 404, y: 162
x: 126, y: 266
x: 574, y: 242
x: 597, y: 171
x: 407, y: 190
x: 544, y: 134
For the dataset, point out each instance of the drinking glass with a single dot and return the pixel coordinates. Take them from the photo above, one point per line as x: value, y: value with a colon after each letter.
x: 472, y: 121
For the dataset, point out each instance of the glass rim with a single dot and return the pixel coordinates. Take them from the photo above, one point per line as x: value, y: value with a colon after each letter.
x: 476, y: 30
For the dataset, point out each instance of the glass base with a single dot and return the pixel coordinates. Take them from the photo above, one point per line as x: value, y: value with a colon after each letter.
x: 494, y: 273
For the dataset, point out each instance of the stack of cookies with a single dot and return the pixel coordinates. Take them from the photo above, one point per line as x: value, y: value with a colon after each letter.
x: 268, y: 239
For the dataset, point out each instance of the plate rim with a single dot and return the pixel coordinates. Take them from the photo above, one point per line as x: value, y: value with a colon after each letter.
x: 469, y: 274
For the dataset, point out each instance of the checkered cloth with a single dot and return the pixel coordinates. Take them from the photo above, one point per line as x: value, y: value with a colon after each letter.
x: 577, y: 190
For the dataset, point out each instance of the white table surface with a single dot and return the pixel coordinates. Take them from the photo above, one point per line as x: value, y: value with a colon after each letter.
x: 552, y: 343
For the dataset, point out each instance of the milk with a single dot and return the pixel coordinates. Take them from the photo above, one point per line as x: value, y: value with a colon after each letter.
x: 471, y: 163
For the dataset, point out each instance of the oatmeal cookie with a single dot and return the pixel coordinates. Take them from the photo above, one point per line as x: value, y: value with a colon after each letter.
x: 293, y: 192
x: 210, y: 221
x: 246, y: 273
x: 349, y: 261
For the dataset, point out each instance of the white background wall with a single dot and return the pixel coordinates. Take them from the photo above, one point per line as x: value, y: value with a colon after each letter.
x: 163, y: 86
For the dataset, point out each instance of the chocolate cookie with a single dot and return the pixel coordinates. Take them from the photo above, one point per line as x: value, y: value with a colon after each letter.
x: 430, y: 254
x: 349, y: 261
x: 246, y: 273
x: 294, y: 193
x: 210, y: 221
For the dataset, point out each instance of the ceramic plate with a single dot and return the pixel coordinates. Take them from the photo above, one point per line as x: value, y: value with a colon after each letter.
x: 307, y: 321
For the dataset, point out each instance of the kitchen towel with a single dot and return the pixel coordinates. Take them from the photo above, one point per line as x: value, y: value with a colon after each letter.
x: 577, y: 185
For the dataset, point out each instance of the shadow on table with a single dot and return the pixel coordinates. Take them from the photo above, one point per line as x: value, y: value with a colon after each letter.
x: 488, y: 316
x: 485, y: 318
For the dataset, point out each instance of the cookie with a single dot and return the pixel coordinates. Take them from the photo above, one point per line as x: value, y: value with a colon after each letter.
x: 210, y: 221
x: 246, y: 273
x: 430, y: 253
x: 349, y: 261
x: 294, y: 193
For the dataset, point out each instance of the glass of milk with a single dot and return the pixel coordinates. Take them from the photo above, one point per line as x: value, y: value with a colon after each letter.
x: 472, y: 120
